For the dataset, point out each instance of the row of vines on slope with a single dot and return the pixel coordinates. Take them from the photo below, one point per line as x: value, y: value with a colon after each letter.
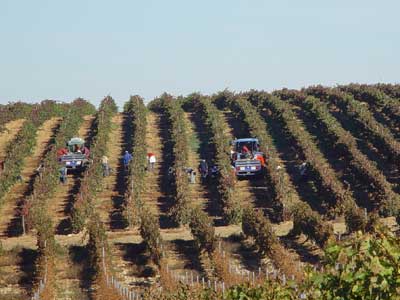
x: 345, y: 203
x: 387, y: 199
x: 136, y: 111
x: 180, y: 210
x: 20, y: 110
x: 254, y: 223
x: 84, y: 213
x: 392, y: 90
x: 200, y: 224
x: 357, y: 110
x: 136, y: 211
x: 257, y: 226
x: 226, y: 178
x: 92, y: 181
x: 24, y: 142
x: 375, y: 98
x: 44, y: 187
x: 305, y: 220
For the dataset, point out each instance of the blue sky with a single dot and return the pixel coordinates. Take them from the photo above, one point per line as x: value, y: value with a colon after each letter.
x: 65, y: 49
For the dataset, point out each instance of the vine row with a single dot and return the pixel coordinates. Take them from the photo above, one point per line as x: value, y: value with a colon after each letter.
x: 136, y: 211
x: 92, y: 180
x: 360, y: 112
x: 387, y: 198
x: 303, y: 216
x: 220, y: 141
x: 34, y: 208
x: 24, y: 143
x: 135, y: 182
x: 318, y: 163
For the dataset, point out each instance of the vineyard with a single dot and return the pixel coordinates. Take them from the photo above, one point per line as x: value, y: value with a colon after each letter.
x: 319, y: 222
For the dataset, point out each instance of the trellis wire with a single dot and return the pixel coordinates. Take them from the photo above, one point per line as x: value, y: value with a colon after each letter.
x: 42, y: 282
x: 123, y: 291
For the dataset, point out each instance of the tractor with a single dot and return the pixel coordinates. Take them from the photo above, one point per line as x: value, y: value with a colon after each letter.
x: 75, y: 156
x: 247, y: 159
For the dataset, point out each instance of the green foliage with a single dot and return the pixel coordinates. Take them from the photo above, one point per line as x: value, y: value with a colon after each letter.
x: 355, y: 218
x: 364, y: 268
x: 137, y: 111
x: 97, y: 241
x: 254, y: 224
x: 311, y: 224
x: 269, y: 291
x: 150, y: 232
x: 202, y: 229
x: 84, y: 107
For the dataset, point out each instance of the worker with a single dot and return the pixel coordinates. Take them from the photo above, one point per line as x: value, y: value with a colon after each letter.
x: 260, y: 158
x: 245, y: 151
x: 214, y: 171
x: 62, y: 152
x: 233, y: 154
x: 86, y: 151
x: 303, y: 171
x: 1, y: 167
x: 192, y: 176
x: 63, y: 174
x: 171, y: 173
x: 39, y: 170
x: 105, y: 166
x: 203, y: 169
x: 151, y: 158
x: 126, y: 159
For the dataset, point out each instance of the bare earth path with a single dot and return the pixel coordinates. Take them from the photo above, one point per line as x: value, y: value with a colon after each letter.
x: 10, y: 223
x: 111, y: 187
x: 198, y: 192
x: 153, y: 192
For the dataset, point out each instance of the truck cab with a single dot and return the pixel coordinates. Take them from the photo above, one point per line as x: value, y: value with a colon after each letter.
x: 247, y: 159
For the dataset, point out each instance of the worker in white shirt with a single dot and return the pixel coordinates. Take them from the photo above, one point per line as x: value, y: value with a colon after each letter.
x: 152, y: 161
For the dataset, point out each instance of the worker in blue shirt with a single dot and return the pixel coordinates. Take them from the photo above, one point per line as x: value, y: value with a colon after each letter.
x: 126, y: 158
